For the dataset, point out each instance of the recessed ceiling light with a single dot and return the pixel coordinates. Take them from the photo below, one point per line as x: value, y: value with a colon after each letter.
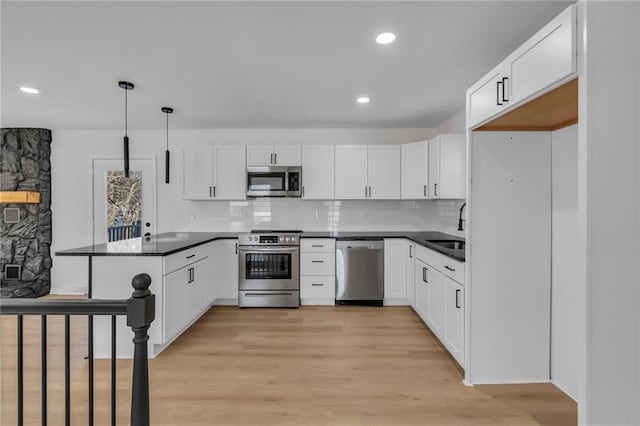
x: 363, y: 100
x: 30, y: 90
x: 385, y: 38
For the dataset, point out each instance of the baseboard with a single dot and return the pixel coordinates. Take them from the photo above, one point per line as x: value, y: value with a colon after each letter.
x: 318, y: 302
x: 225, y: 302
x: 396, y: 302
x: 69, y: 291
x: 510, y: 381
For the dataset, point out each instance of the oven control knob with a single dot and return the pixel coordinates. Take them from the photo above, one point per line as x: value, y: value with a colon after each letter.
x: 281, y: 239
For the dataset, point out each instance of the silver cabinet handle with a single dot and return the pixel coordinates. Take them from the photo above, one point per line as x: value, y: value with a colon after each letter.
x: 317, y: 245
x: 365, y: 192
x: 317, y: 284
x: 317, y: 261
x: 457, y: 303
x: 210, y: 191
x: 272, y: 158
x: 214, y: 191
x: 275, y: 158
x: 410, y: 251
x: 435, y: 189
x: 303, y: 190
x: 369, y: 192
x: 424, y: 189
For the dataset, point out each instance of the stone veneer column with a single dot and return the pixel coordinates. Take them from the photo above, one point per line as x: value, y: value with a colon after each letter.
x: 25, y: 166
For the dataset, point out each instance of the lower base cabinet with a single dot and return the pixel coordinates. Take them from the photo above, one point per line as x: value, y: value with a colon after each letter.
x: 224, y: 270
x: 435, y: 308
x: 421, y: 292
x: 454, y: 318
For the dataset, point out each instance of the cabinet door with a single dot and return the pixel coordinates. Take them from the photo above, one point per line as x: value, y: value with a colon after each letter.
x: 415, y: 165
x: 174, y: 299
x: 410, y: 274
x: 487, y: 97
x: 287, y: 155
x: 230, y: 173
x: 452, y: 167
x: 454, y: 318
x: 434, y: 168
x: 351, y: 172
x: 317, y: 172
x: 197, y: 169
x: 546, y: 58
x: 395, y: 269
x: 260, y: 155
x: 225, y: 267
x: 421, y: 290
x: 435, y: 302
x: 197, y: 294
x: 384, y: 172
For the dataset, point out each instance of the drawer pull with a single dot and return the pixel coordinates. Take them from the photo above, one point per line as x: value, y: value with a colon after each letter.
x: 449, y: 268
x: 189, y: 257
x: 317, y: 245
x: 317, y: 261
x: 457, y: 303
x: 317, y: 284
x: 424, y: 275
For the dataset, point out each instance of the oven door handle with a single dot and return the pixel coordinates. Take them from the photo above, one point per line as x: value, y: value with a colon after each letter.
x: 268, y: 250
x: 268, y: 294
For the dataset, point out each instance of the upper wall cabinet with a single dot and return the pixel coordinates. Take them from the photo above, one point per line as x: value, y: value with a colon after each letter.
x: 447, y: 167
x: 317, y: 172
x: 274, y: 155
x: 547, y: 58
x: 415, y: 170
x: 367, y: 172
x: 214, y: 173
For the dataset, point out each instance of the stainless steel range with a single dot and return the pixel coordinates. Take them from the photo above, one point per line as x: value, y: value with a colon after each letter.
x: 269, y: 269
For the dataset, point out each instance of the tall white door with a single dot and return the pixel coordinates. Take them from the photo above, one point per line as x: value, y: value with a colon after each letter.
x: 123, y: 208
x: 317, y: 172
x: 351, y: 172
x: 197, y: 169
x: 434, y: 168
x: 415, y: 164
x: 384, y: 172
x: 287, y: 155
x: 230, y: 181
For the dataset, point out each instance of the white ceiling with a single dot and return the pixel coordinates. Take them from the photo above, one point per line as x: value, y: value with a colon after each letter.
x: 252, y: 64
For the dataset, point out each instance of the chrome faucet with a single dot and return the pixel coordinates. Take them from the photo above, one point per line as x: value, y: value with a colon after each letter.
x: 460, y: 219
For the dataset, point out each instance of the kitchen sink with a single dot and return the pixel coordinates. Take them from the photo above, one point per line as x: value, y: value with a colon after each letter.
x: 448, y: 244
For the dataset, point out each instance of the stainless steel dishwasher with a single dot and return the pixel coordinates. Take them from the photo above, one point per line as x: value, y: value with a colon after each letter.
x: 360, y: 272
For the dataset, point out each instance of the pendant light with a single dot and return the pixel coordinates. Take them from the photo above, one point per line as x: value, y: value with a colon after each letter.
x: 167, y: 111
x: 126, y: 86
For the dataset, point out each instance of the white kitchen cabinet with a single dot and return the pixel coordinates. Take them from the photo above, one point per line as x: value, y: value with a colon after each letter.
x: 174, y: 299
x: 435, y: 301
x: 198, y: 288
x: 214, y: 173
x: 397, y: 252
x: 384, y: 172
x: 546, y: 58
x: 318, y: 172
x: 410, y: 274
x: 225, y: 270
x: 198, y: 172
x: 367, y: 172
x: 421, y: 289
x: 454, y: 319
x: 447, y: 167
x: 351, y: 172
x: 415, y: 166
x: 274, y: 155
x: 318, y: 271
x: 487, y: 97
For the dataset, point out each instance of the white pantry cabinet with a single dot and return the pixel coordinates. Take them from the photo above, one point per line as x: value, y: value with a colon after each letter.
x: 367, y: 172
x: 274, y: 155
x: 214, y: 172
x: 447, y: 167
x: 225, y: 270
x: 317, y: 172
x: 415, y: 166
x: 398, y: 271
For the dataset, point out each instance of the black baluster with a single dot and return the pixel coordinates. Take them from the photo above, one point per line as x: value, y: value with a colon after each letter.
x: 140, y: 315
x: 113, y: 370
x: 67, y: 372
x: 43, y: 361
x: 20, y: 371
x: 90, y: 350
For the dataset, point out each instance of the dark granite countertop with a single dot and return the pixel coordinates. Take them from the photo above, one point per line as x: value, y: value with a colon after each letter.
x: 157, y: 245
x: 422, y: 238
x: 173, y: 242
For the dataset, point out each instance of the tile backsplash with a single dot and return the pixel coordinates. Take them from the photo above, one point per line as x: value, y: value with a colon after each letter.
x: 287, y: 213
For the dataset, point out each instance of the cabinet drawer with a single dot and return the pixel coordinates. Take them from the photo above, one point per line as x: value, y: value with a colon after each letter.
x: 453, y: 269
x: 183, y: 258
x: 319, y: 287
x: 317, y: 264
x: 317, y: 245
x: 428, y: 256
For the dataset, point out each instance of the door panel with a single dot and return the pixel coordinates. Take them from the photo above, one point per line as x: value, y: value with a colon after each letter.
x: 287, y: 155
x: 434, y: 169
x: 351, y: 172
x: 231, y: 175
x: 415, y: 164
x: 318, y: 172
x: 198, y: 172
x: 384, y: 171
x: 259, y: 155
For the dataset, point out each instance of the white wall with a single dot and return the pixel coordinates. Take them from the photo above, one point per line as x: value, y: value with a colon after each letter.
x: 565, y: 309
x: 455, y: 124
x: 72, y: 151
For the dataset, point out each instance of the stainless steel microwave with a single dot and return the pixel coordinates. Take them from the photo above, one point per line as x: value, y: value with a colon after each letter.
x: 274, y: 181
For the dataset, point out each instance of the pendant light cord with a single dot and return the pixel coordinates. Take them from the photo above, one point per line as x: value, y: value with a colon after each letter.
x: 125, y: 112
x: 167, y: 114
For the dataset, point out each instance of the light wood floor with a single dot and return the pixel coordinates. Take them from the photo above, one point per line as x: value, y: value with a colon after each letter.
x: 310, y: 366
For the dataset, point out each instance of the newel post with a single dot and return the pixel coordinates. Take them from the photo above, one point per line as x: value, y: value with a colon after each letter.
x: 141, y: 309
